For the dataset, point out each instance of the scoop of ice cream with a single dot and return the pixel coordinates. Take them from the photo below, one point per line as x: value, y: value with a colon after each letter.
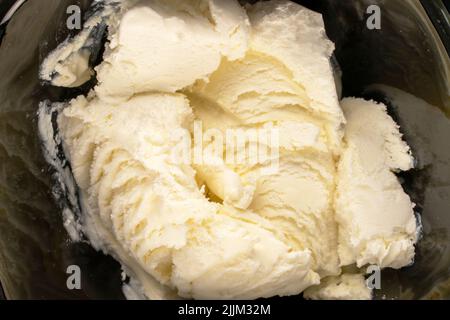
x: 160, y: 45
x: 297, y: 197
x: 376, y: 217
x: 296, y: 36
x: 273, y: 83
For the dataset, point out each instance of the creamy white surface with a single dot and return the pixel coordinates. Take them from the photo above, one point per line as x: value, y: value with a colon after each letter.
x: 261, y: 234
x: 165, y: 45
x: 297, y: 199
x: 158, y: 213
x: 343, y: 287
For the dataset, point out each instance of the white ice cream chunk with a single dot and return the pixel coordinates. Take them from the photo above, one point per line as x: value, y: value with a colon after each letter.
x: 68, y: 65
x: 343, y: 287
x: 376, y: 217
x: 298, y: 197
x: 162, y: 45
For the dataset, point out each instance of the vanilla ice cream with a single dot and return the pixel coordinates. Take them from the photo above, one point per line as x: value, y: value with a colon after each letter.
x: 346, y: 286
x: 376, y: 217
x: 222, y: 223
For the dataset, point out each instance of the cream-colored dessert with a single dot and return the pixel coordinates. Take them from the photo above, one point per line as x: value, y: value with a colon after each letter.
x: 220, y: 229
x: 376, y: 218
x: 186, y: 41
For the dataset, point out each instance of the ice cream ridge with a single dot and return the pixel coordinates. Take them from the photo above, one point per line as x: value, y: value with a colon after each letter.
x: 324, y: 196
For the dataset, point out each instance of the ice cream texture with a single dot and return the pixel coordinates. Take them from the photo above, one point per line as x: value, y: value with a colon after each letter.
x: 225, y: 230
